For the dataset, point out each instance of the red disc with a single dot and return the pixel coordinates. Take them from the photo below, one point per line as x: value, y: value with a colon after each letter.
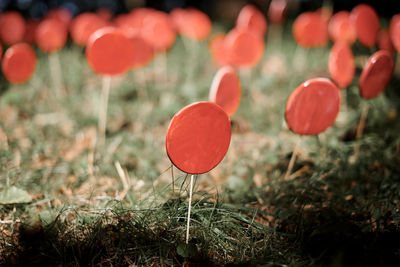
x: 341, y: 28
x: 376, y: 75
x: 313, y: 107
x: 198, y: 137
x: 341, y: 64
x: 61, y: 14
x: 366, y: 23
x: 195, y: 24
x: 19, y: 63
x: 143, y: 52
x: 158, y: 31
x: 310, y: 29
x: 51, y: 35
x: 252, y: 19
x: 225, y: 90
x: 217, y: 49
x: 277, y: 11
x: 12, y: 27
x: 30, y: 32
x: 244, y: 48
x: 394, y: 31
x: 384, y: 42
x: 84, y: 25
x: 109, y: 52
x: 105, y: 13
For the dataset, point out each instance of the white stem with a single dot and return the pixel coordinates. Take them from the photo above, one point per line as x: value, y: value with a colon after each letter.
x: 190, y: 205
x: 103, y: 109
x: 292, y: 159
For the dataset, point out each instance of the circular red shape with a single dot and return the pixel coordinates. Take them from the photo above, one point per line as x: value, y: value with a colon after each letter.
x: 225, y: 90
x: 30, y: 32
x: 310, y: 29
x: 384, y: 42
x: 158, y: 31
x: 376, y: 75
x: 143, y: 52
x: 105, y: 13
x: 51, y: 35
x: 244, y: 48
x: 366, y: 23
x: 341, y: 28
x: 252, y: 19
x: 12, y: 27
x: 341, y: 64
x: 84, y: 25
x: 217, y: 49
x: 110, y: 52
x: 394, y: 31
x: 313, y: 107
x: 198, y: 137
x: 19, y: 63
x: 194, y: 24
x: 61, y: 14
x: 277, y: 11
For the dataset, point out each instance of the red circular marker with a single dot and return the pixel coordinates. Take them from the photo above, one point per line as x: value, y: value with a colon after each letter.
x: 51, y: 35
x: 341, y: 64
x: 277, y: 11
x: 198, y: 137
x: 19, y: 63
x: 376, y: 75
x: 384, y: 41
x: 313, y: 107
x: 243, y: 48
x: 217, y: 49
x: 193, y: 24
x: 366, y: 23
x: 341, y: 28
x: 143, y: 52
x: 30, y: 32
x: 109, y: 52
x: 12, y: 27
x: 225, y: 90
x: 394, y: 31
x: 310, y: 29
x: 61, y: 14
x: 252, y: 19
x: 84, y: 25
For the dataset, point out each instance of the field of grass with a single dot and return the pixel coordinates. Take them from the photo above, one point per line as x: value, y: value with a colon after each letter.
x: 124, y: 204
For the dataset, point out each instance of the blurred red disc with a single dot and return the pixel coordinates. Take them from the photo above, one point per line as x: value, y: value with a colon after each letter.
x: 19, y: 63
x: 198, y: 137
x: 366, y: 23
x: 244, y: 48
x: 341, y: 64
x: 194, y: 24
x: 61, y: 14
x: 277, y: 11
x: 12, y: 27
x: 104, y: 13
x: 217, y: 49
x: 341, y: 28
x: 310, y: 29
x: 143, y: 52
x: 384, y: 41
x: 376, y: 75
x: 30, y: 32
x: 158, y: 31
x: 313, y: 107
x: 394, y: 31
x: 51, y: 35
x: 225, y: 90
x: 252, y: 19
x: 84, y: 25
x: 109, y: 52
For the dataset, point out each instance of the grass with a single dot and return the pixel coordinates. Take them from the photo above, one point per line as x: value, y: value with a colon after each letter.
x: 333, y: 210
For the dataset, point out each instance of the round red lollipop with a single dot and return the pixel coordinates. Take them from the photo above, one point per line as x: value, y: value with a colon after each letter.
x: 51, y: 35
x: 217, y: 49
x: 143, y: 52
x: 83, y: 26
x: 341, y: 28
x: 225, y: 90
x: 310, y: 29
x: 384, y: 42
x: 19, y: 63
x: 341, y: 64
x: 277, y: 11
x: 376, y: 75
x: 244, y: 48
x: 394, y: 31
x: 12, y: 27
x: 252, y: 19
x: 366, y: 23
x: 158, y: 30
x: 194, y: 24
x: 109, y: 52
x: 313, y: 107
x: 198, y: 137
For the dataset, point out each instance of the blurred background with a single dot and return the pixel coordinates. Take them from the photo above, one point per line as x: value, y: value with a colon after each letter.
x: 225, y: 10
